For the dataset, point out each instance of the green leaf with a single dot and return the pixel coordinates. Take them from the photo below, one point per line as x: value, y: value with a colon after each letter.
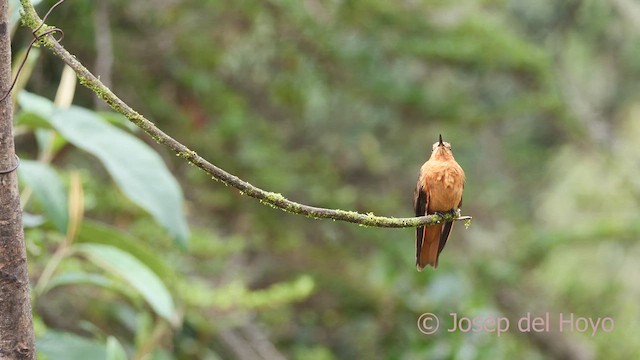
x: 136, y: 168
x: 47, y: 188
x: 32, y: 120
x: 31, y: 220
x: 115, y: 351
x: 36, y: 110
x: 36, y: 104
x: 75, y: 278
x: 134, y: 272
x: 160, y: 354
x: 59, y: 345
x: 99, y: 233
x: 118, y: 120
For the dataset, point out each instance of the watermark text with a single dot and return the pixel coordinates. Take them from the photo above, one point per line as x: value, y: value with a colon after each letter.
x: 429, y: 323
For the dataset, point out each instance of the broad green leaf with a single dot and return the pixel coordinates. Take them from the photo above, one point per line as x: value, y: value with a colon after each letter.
x: 36, y: 109
x: 118, y: 120
x: 31, y: 220
x: 75, y: 278
x: 47, y: 188
x: 137, y: 169
x: 59, y: 345
x: 161, y: 354
x: 36, y: 104
x: 32, y: 120
x: 99, y: 233
x: 115, y: 351
x: 134, y: 272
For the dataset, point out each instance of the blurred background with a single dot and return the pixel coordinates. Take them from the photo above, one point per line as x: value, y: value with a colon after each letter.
x: 336, y: 103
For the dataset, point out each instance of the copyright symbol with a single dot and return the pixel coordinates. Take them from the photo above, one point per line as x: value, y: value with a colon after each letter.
x: 428, y: 323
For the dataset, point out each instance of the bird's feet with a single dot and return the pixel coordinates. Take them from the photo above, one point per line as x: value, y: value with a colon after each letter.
x: 454, y: 212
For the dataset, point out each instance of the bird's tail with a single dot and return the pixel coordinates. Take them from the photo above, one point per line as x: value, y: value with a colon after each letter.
x: 430, y: 247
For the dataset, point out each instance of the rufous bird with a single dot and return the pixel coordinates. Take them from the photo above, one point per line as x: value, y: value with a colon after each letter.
x: 439, y: 190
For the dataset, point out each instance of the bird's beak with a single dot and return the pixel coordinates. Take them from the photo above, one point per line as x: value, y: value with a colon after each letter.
x: 440, y: 139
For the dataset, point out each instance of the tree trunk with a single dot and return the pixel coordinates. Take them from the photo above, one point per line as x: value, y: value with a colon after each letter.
x: 16, y: 326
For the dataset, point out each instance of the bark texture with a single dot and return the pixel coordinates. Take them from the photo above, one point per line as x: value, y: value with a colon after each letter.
x: 16, y: 325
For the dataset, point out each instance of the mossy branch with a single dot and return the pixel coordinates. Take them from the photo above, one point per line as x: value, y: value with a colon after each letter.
x: 31, y: 19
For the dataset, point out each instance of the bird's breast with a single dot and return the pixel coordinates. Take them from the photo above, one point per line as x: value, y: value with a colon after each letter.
x: 444, y: 181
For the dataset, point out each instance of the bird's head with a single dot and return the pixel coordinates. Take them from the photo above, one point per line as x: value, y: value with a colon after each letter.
x: 441, y: 149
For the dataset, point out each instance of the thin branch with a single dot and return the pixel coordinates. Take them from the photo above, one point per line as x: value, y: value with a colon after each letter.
x: 31, y: 19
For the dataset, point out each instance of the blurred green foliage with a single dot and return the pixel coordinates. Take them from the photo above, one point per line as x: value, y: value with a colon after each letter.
x: 336, y: 103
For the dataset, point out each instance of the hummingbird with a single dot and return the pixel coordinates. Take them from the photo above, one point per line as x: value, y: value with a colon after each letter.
x: 439, y: 190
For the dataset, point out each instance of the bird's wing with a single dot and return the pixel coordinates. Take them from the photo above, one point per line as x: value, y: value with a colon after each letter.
x: 446, y: 229
x: 420, y: 204
x: 444, y: 235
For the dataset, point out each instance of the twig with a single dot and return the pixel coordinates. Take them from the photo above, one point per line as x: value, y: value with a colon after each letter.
x: 30, y: 18
x: 37, y: 36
